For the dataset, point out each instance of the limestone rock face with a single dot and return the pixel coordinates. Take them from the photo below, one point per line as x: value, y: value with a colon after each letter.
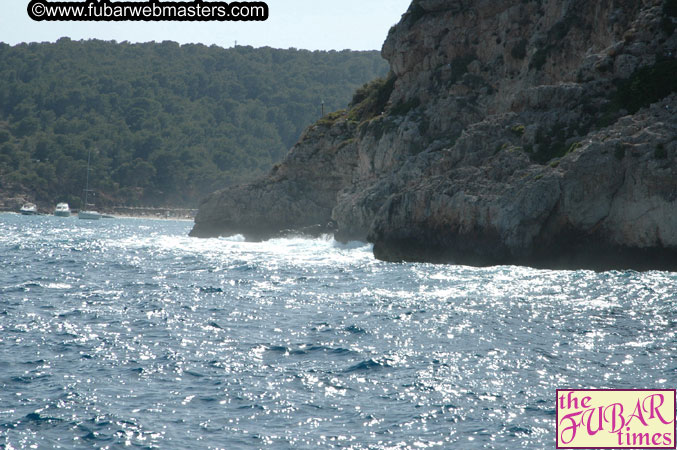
x: 509, y: 132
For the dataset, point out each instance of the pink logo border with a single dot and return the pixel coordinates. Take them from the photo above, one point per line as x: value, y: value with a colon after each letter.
x: 674, y: 393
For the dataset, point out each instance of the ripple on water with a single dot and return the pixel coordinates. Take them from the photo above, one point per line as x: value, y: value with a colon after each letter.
x: 129, y: 333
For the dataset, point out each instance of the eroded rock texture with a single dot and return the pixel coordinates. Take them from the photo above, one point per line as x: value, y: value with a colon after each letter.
x: 508, y: 132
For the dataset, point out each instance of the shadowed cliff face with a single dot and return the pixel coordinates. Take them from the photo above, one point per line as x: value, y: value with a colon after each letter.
x: 527, y: 132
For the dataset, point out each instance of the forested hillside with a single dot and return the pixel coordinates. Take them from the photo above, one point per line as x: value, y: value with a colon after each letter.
x: 166, y: 124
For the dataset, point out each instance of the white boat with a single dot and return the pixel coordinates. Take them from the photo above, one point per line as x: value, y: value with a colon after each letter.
x: 88, y: 214
x: 29, y: 209
x: 62, y: 210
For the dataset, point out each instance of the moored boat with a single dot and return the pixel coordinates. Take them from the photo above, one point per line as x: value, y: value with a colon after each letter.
x: 62, y: 210
x: 88, y: 215
x: 29, y: 209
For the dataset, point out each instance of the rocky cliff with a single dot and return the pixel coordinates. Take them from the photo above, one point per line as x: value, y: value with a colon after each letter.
x: 538, y: 132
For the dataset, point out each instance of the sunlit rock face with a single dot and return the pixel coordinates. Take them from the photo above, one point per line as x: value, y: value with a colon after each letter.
x: 527, y: 132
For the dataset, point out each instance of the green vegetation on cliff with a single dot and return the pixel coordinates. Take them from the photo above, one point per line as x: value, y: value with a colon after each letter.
x: 167, y: 123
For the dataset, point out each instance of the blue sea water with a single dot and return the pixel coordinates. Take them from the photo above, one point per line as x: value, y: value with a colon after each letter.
x: 127, y: 333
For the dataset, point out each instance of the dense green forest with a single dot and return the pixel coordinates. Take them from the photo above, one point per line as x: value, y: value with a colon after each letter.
x: 165, y: 123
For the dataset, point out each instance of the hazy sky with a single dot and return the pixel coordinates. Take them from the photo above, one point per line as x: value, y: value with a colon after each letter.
x: 307, y: 24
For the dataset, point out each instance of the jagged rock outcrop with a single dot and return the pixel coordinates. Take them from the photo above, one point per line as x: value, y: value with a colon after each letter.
x: 537, y: 132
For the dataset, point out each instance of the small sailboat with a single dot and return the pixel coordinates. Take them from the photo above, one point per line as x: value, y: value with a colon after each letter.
x: 88, y: 214
x: 62, y: 210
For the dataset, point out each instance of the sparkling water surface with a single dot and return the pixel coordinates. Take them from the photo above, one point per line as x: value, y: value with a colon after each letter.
x: 127, y: 333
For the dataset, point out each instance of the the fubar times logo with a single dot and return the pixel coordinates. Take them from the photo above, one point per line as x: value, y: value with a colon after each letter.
x: 616, y: 418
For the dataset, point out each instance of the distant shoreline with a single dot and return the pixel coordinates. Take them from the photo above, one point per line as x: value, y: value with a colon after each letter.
x: 176, y: 219
x: 114, y: 216
x: 14, y: 204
